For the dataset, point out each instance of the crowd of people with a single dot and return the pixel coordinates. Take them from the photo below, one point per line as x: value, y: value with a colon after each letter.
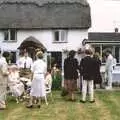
x: 36, y: 73
x: 88, y: 71
x: 14, y: 77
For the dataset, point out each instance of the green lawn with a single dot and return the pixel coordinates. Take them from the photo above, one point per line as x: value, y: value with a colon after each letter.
x: 106, y: 107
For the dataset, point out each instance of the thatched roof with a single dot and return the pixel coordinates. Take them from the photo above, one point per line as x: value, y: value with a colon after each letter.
x: 29, y: 14
x: 41, y: 2
x: 104, y: 36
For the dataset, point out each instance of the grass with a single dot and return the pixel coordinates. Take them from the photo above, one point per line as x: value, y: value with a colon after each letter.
x: 106, y: 107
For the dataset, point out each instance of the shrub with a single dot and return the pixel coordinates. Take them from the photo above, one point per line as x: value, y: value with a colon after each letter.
x: 57, y: 78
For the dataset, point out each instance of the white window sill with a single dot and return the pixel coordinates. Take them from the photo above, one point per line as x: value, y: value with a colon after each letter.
x: 9, y: 41
x: 60, y: 42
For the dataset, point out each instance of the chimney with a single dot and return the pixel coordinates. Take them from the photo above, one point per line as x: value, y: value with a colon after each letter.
x: 116, y: 30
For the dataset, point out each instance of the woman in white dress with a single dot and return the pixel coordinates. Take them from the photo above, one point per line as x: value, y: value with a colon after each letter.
x: 3, y: 82
x: 38, y: 69
x: 14, y: 83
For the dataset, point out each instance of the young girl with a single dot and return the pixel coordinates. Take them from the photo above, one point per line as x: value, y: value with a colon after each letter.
x: 48, y: 79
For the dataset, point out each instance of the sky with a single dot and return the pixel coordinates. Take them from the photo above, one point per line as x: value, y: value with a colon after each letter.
x: 105, y: 15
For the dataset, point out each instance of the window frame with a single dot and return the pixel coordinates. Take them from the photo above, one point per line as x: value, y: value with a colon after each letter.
x: 9, y: 33
x: 61, y: 34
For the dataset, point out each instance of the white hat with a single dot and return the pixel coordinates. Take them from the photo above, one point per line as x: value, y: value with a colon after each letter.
x: 14, y: 66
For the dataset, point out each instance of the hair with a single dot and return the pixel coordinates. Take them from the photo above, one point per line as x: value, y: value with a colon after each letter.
x: 109, y: 51
x: 88, y: 51
x: 39, y: 54
x: 14, y: 66
x: 49, y: 70
x: 72, y: 53
x: 96, y: 55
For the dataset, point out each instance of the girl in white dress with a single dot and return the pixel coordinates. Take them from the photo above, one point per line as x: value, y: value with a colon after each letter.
x: 38, y: 69
x: 48, y: 79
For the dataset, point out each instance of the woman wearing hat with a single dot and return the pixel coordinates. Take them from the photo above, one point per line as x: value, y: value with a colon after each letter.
x: 38, y: 69
x: 14, y: 83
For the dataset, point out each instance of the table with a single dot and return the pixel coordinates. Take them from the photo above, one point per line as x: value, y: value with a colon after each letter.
x: 116, y: 74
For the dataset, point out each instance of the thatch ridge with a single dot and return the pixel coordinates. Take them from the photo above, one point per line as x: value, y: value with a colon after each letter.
x: 50, y: 15
x: 42, y: 2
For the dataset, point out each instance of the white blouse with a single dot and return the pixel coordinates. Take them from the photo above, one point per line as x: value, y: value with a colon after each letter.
x: 39, y: 66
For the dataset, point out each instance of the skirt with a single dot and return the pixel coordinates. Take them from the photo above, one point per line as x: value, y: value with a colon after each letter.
x: 38, y: 86
x: 17, y: 89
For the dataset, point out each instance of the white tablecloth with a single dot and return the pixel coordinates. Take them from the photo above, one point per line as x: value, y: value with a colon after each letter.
x: 116, y: 74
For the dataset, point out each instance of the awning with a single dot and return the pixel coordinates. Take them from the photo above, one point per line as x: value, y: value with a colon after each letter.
x: 31, y: 42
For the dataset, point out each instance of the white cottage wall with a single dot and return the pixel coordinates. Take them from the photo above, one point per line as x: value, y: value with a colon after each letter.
x: 1, y: 38
x: 46, y: 37
x: 75, y: 38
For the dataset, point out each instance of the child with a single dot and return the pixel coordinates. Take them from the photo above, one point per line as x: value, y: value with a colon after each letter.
x: 48, y: 79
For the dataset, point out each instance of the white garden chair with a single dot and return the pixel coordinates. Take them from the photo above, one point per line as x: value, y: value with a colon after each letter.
x: 48, y: 92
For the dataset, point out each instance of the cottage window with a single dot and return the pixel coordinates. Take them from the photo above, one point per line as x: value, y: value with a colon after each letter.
x: 60, y: 36
x: 57, y: 36
x: 10, y: 56
x: 10, y: 35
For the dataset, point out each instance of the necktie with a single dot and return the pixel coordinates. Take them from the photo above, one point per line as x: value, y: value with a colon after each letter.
x: 25, y: 64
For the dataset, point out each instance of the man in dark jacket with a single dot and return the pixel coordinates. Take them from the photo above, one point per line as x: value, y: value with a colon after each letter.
x: 70, y: 73
x: 86, y: 70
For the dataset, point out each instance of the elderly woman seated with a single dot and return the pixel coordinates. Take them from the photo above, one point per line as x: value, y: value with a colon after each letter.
x: 14, y: 83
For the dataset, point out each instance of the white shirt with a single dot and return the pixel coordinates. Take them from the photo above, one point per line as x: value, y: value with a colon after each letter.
x: 14, y: 77
x: 114, y: 62
x: 39, y: 66
x: 3, y: 65
x: 24, y: 62
x: 109, y: 63
x: 3, y: 58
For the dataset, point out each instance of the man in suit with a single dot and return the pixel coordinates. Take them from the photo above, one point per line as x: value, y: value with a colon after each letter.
x: 86, y: 70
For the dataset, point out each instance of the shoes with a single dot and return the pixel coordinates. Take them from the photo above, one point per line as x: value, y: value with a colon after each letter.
x: 108, y: 88
x: 82, y: 101
x: 29, y: 106
x: 39, y: 106
x: 92, y: 101
x: 2, y: 108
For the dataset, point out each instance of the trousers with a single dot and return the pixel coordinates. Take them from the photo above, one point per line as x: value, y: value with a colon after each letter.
x: 87, y: 86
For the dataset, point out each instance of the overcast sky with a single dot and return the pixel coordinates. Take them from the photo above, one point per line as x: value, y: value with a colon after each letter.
x: 105, y: 15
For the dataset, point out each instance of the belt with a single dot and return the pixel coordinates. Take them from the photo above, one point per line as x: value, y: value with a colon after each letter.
x: 38, y: 73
